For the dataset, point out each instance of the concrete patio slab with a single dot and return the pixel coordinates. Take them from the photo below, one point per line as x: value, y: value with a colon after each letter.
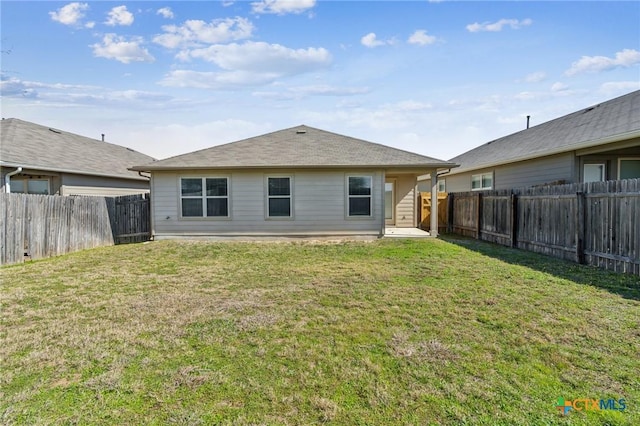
x: 405, y: 233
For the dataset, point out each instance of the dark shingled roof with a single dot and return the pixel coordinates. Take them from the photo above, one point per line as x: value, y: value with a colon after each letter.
x: 611, y: 121
x: 39, y: 147
x: 300, y: 146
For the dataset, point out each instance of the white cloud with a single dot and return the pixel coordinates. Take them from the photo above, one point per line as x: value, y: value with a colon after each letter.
x: 421, y: 38
x: 623, y: 59
x: 196, y: 32
x: 619, y: 87
x: 559, y: 87
x: 282, y: 7
x: 514, y: 24
x: 371, y: 40
x: 119, y: 15
x: 248, y: 64
x: 76, y: 94
x: 300, y: 92
x: 216, y: 80
x: 122, y: 50
x: 70, y: 14
x: 165, y: 12
x: 261, y: 57
x: 535, y: 77
x: 14, y: 87
x: 200, y: 136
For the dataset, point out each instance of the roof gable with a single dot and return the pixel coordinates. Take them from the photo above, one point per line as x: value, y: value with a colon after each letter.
x: 300, y: 146
x: 34, y: 146
x: 611, y: 121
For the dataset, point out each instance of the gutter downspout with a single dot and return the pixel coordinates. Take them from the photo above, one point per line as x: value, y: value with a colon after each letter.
x: 7, y: 179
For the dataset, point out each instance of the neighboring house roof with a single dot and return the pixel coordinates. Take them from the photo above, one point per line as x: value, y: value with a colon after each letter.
x: 33, y: 146
x: 300, y: 146
x: 611, y: 121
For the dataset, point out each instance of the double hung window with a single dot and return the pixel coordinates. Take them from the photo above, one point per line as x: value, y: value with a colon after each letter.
x: 204, y: 197
x: 359, y: 190
x: 482, y: 181
x: 279, y: 197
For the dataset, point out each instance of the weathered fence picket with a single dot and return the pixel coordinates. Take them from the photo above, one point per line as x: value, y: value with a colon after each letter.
x: 39, y: 226
x: 595, y: 223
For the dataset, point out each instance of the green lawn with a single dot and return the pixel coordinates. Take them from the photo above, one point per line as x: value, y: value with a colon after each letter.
x: 392, y: 331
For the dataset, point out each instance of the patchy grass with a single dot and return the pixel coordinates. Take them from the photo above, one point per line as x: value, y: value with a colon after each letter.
x: 387, y: 332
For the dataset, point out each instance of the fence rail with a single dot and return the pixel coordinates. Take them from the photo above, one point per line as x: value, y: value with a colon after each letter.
x: 39, y: 226
x: 595, y: 223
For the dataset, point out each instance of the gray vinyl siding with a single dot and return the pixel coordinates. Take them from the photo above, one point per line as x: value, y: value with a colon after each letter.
x: 539, y: 171
x: 405, y: 211
x: 609, y: 159
x: 76, y: 184
x: 455, y: 183
x: 318, y: 205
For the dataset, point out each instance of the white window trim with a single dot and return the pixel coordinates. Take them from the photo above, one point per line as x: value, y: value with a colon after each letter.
x: 267, y: 197
x: 621, y: 159
x: 204, y: 198
x: 347, y: 197
x: 604, y: 170
x: 444, y: 185
x: 481, y: 176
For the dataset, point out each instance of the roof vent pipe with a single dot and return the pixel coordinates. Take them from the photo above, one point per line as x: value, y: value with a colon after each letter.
x: 102, y: 137
x: 528, y: 117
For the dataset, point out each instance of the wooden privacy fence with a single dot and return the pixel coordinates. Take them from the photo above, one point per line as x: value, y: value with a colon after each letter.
x: 425, y: 210
x: 39, y: 226
x: 596, y: 223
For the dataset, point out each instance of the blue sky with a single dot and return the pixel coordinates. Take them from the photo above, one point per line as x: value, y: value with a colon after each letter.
x: 433, y: 77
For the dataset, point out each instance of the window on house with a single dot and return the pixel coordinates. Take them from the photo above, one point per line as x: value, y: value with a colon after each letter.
x: 628, y: 168
x: 594, y: 172
x: 279, y: 197
x: 30, y: 186
x: 359, y: 198
x: 482, y: 181
x: 442, y: 187
x: 205, y: 197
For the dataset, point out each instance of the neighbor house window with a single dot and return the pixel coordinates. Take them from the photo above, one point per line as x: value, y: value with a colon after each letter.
x: 204, y: 197
x: 629, y: 168
x: 279, y: 196
x: 30, y: 186
x: 482, y: 181
x: 442, y: 187
x: 359, y: 195
x: 594, y: 172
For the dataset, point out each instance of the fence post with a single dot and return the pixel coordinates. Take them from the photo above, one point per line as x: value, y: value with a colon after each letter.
x: 514, y: 220
x: 450, y: 212
x: 479, y: 217
x: 580, y: 214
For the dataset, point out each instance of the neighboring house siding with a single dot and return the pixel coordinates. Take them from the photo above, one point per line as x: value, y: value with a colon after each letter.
x: 522, y: 174
x: 405, y: 201
x: 73, y: 184
x: 101, y: 191
x: 535, y: 172
x: 455, y: 183
x: 26, y: 174
x: 77, y: 184
x: 319, y: 205
x: 609, y: 159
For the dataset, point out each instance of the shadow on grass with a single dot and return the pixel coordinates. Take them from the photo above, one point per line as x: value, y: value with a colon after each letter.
x: 625, y: 285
